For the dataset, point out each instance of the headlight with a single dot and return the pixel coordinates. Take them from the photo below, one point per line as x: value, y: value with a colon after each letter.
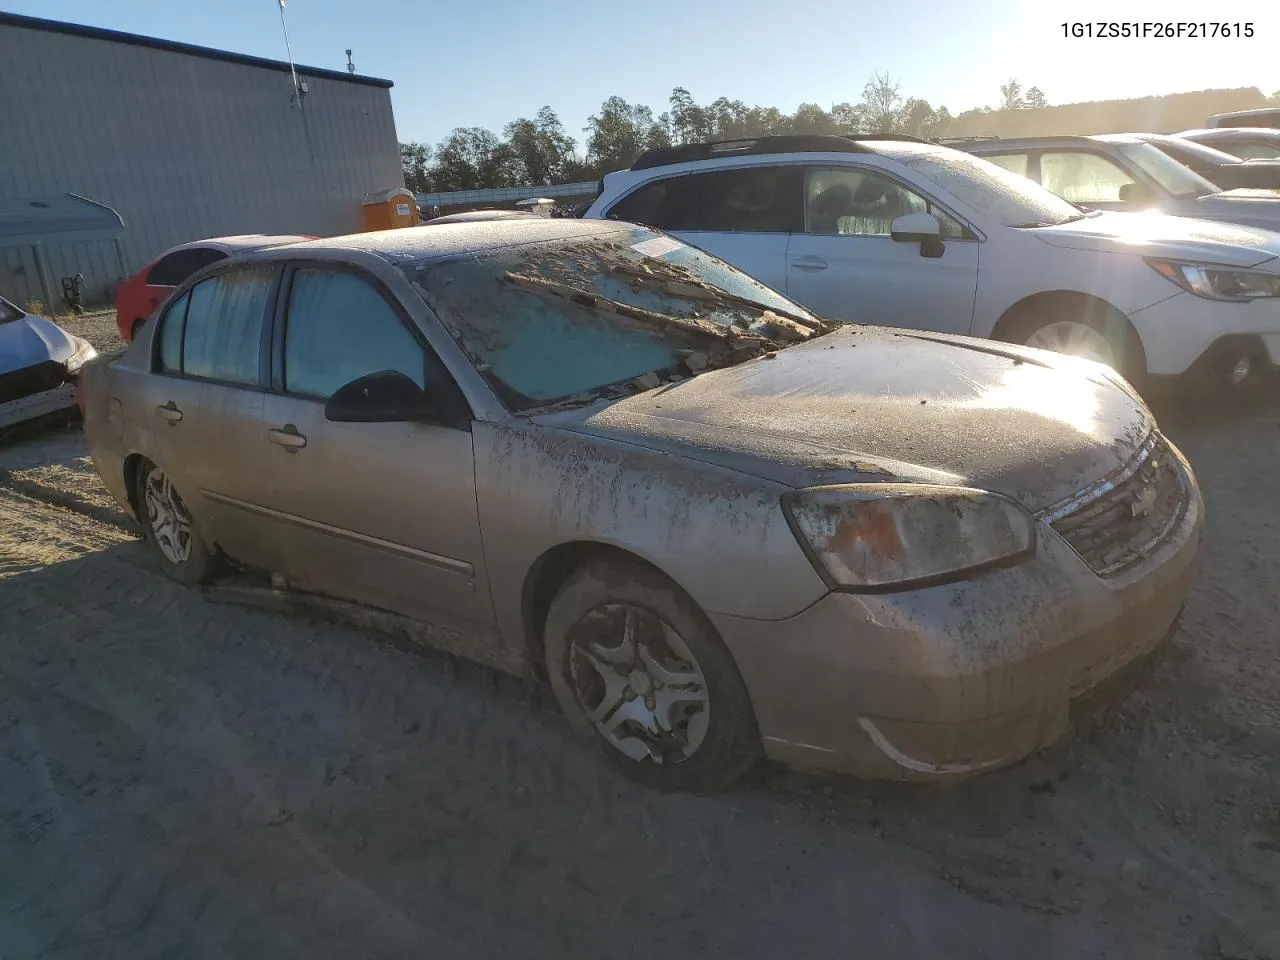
x: 888, y: 535
x: 1218, y: 283
x: 84, y: 353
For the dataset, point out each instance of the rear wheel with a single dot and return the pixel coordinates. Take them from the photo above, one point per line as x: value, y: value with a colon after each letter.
x: 637, y: 668
x: 167, y: 526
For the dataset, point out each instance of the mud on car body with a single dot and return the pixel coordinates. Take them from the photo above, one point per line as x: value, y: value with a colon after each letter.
x: 718, y: 525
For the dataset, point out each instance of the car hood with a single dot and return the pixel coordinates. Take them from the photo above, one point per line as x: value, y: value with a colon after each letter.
x: 1256, y: 208
x: 868, y: 404
x: 1162, y: 235
x: 32, y: 340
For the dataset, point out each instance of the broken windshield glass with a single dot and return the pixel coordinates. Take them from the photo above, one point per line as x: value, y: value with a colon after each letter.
x: 575, y: 320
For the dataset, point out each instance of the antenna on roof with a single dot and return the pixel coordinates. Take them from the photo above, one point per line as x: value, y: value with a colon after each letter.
x: 351, y: 67
x: 297, y: 92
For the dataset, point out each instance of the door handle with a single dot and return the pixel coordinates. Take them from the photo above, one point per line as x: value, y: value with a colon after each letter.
x: 169, y: 412
x: 287, y: 437
x: 809, y: 263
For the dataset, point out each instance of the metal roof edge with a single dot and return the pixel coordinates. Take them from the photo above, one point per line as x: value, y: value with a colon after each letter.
x: 173, y: 46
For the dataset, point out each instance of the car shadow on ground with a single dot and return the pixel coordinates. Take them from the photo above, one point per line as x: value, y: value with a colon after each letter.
x: 184, y: 776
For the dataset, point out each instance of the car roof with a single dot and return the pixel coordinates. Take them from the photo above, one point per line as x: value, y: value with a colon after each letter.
x: 446, y: 240
x: 1015, y: 143
x: 239, y: 243
x: 1228, y: 133
x: 473, y: 215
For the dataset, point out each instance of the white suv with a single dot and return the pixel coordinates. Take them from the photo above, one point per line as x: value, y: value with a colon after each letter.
x: 906, y: 233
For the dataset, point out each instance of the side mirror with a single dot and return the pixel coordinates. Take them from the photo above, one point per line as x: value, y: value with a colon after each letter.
x: 1137, y: 194
x: 921, y: 228
x: 384, y: 397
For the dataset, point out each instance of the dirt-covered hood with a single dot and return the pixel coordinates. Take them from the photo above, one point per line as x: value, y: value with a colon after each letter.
x: 1169, y: 237
x: 871, y: 404
x: 31, y: 340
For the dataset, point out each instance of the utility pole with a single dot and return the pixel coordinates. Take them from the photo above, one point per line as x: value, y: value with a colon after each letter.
x: 297, y: 95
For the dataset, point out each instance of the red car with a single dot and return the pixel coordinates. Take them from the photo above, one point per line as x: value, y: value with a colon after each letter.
x: 147, y: 289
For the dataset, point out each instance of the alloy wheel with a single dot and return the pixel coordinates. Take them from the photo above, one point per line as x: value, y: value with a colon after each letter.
x: 1074, y: 339
x: 168, y: 517
x: 638, y: 683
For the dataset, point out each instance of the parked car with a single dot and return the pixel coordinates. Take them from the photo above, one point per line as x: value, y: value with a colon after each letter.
x: 1247, y: 143
x: 1118, y: 171
x: 913, y: 234
x: 147, y: 289
x: 1262, y: 117
x: 39, y: 362
x: 718, y: 524
x: 1224, y: 171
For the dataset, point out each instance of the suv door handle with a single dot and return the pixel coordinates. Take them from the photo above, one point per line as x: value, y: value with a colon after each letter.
x: 809, y: 263
x: 287, y: 437
x: 170, y: 412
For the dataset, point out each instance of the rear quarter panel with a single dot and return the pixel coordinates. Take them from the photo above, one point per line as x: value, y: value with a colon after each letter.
x: 720, y: 535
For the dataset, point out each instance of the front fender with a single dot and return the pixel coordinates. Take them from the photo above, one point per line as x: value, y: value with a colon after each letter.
x: 720, y: 535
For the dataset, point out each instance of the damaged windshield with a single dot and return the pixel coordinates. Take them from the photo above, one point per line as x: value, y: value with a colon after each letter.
x: 570, y: 321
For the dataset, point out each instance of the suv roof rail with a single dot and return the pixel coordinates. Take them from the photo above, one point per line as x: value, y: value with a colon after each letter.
x: 786, y: 143
x: 946, y: 140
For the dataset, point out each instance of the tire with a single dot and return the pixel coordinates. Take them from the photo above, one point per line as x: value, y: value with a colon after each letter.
x: 1031, y: 325
x: 713, y: 738
x: 167, y: 539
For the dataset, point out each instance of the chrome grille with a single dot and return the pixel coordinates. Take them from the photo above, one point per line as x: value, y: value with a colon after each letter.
x: 1119, y: 521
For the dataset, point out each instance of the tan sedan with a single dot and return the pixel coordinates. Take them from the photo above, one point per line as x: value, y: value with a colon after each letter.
x: 718, y: 525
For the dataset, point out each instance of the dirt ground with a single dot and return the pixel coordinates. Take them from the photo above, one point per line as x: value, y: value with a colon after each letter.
x: 182, y: 777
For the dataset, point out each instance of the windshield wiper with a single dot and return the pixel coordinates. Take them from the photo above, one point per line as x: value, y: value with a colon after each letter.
x: 708, y: 291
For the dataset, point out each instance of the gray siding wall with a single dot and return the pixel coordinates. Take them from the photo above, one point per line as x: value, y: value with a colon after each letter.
x: 184, y: 147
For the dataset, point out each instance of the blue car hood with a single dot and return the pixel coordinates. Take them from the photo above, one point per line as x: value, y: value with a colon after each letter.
x: 32, y: 340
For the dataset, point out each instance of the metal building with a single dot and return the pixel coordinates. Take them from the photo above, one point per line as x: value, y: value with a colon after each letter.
x: 184, y: 141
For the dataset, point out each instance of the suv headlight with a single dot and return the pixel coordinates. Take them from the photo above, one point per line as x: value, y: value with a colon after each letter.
x: 84, y: 353
x: 1218, y: 283
x: 891, y: 535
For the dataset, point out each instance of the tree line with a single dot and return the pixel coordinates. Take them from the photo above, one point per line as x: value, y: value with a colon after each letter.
x: 538, y: 150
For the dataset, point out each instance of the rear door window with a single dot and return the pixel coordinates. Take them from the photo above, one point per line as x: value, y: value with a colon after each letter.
x: 1018, y: 163
x: 735, y: 200
x: 171, y: 269
x: 1082, y: 177
x: 1253, y: 150
x: 222, y: 339
x: 339, y: 328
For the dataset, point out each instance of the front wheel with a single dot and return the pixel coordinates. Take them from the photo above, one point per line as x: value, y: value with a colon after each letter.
x: 1103, y: 335
x: 638, y: 668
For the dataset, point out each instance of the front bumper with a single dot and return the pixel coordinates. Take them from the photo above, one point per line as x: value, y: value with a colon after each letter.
x: 37, y: 405
x: 952, y: 680
x: 1186, y: 332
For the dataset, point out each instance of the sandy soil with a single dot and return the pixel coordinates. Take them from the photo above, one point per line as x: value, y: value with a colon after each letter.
x: 180, y: 777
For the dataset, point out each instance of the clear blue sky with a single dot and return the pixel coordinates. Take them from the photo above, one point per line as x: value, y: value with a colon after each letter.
x: 485, y: 62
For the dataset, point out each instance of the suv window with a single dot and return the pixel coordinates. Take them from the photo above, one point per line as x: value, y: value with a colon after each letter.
x: 1253, y: 150
x: 1082, y: 177
x: 1013, y: 162
x: 844, y: 201
x: 172, y: 269
x: 222, y: 339
x: 742, y: 199
x: 340, y: 327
